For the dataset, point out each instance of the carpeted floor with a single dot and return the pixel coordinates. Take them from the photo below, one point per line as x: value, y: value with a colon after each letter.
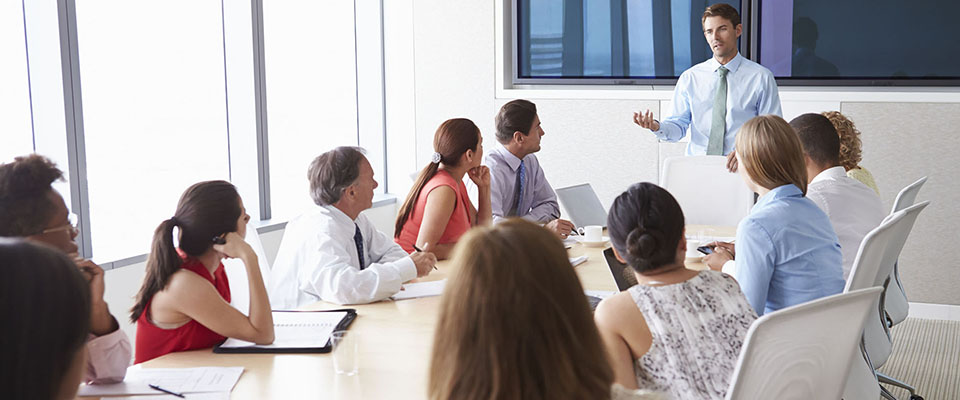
x: 926, y: 355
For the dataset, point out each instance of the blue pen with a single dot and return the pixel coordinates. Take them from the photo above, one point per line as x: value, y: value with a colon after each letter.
x: 170, y: 392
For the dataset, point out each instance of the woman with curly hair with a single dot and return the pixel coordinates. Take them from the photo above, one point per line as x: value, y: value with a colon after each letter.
x: 850, y: 151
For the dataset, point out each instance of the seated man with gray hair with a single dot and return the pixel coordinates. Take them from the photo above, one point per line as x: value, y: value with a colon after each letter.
x: 335, y: 254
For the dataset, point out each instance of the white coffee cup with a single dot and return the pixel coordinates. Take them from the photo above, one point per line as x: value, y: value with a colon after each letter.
x: 692, y: 248
x: 593, y: 233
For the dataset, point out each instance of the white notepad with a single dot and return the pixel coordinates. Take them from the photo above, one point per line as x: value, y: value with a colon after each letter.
x: 575, y: 261
x: 420, y: 289
x: 295, y: 330
x: 180, y: 380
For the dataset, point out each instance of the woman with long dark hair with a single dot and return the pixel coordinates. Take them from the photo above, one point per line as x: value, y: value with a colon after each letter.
x: 45, y: 305
x: 438, y: 210
x: 515, y: 324
x: 184, y: 303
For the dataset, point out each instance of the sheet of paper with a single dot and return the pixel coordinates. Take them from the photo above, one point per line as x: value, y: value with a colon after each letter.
x: 180, y: 380
x: 192, y: 396
x: 420, y: 289
x: 296, y: 330
x: 569, y: 242
x: 602, y: 294
x: 575, y: 261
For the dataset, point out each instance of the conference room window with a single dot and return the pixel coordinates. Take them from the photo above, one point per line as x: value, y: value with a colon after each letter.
x: 311, y: 87
x: 16, y: 130
x: 154, y: 113
x: 577, y: 41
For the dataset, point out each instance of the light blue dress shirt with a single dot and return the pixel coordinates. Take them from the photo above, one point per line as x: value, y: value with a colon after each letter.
x: 751, y: 91
x: 787, y: 252
x: 539, y: 199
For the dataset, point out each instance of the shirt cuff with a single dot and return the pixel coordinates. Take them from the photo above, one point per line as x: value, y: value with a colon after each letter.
x: 406, y: 268
x: 109, y: 356
x: 729, y: 267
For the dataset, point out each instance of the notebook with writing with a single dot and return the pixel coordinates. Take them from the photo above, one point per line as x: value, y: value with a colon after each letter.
x: 296, y: 332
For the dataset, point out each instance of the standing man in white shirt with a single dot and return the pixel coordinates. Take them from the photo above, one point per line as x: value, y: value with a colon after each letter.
x: 714, y: 98
x: 518, y: 186
x: 333, y: 253
x: 853, y: 208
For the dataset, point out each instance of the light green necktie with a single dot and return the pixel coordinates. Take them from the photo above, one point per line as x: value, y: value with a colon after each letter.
x: 719, y: 126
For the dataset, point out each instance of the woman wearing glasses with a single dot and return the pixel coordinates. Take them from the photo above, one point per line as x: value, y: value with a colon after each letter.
x: 32, y: 209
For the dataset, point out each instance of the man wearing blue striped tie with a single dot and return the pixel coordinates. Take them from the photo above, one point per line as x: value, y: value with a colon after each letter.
x: 714, y: 98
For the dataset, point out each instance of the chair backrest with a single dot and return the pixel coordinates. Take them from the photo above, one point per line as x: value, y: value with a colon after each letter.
x: 895, y: 299
x: 908, y: 195
x: 877, y: 336
x: 706, y: 191
x: 865, y: 271
x: 804, y: 351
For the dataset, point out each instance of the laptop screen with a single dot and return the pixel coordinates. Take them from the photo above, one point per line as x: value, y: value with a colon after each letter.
x: 583, y: 205
x: 622, y: 274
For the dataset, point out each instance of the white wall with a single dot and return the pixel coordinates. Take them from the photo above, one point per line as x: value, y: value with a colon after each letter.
x: 458, y: 72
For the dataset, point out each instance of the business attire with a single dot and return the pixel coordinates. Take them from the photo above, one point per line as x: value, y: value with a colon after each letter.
x: 864, y: 176
x: 518, y: 188
x: 460, y: 220
x: 853, y: 209
x: 750, y: 91
x: 787, y: 252
x: 326, y: 255
x: 107, y: 357
x: 698, y: 327
x: 154, y: 341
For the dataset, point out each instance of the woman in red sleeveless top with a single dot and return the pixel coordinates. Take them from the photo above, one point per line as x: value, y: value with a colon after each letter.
x: 437, y: 210
x: 184, y: 303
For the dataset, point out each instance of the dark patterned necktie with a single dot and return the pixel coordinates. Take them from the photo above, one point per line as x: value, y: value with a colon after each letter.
x: 358, y: 239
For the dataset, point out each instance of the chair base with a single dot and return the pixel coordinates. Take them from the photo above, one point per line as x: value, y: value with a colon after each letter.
x: 892, y: 381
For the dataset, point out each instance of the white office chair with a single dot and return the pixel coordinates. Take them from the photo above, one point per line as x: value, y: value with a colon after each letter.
x: 237, y: 273
x: 872, y: 267
x: 879, y: 344
x: 862, y: 382
x: 896, y: 302
x: 802, y: 352
x: 706, y: 191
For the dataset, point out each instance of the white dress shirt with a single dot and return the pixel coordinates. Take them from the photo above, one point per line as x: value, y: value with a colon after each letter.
x: 318, y: 260
x: 853, y: 208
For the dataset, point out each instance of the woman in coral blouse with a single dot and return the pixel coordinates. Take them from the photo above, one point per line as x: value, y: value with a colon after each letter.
x: 184, y: 303
x: 437, y: 210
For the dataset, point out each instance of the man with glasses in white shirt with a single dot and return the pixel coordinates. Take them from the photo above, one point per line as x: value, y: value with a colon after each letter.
x: 853, y: 208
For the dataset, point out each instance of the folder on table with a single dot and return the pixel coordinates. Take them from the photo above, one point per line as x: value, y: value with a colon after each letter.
x: 296, y: 332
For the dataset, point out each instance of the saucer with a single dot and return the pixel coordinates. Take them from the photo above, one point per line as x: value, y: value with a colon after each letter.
x: 599, y: 243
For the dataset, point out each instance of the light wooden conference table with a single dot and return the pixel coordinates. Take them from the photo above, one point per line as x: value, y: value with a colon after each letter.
x: 394, y: 347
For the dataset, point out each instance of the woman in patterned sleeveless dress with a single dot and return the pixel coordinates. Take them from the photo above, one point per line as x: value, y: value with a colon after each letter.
x: 679, y: 331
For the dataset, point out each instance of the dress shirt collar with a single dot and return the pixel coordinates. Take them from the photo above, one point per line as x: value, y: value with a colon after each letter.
x: 338, y: 215
x: 829, y: 174
x: 779, y: 192
x: 511, y: 159
x: 731, y: 66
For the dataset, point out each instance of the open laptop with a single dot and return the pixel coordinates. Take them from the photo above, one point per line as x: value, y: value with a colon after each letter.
x: 582, y: 205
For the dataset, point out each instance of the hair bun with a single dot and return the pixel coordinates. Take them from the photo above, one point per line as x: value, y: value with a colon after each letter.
x: 643, y: 243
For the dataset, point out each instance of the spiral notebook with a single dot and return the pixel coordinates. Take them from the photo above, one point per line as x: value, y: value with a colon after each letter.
x: 296, y: 332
